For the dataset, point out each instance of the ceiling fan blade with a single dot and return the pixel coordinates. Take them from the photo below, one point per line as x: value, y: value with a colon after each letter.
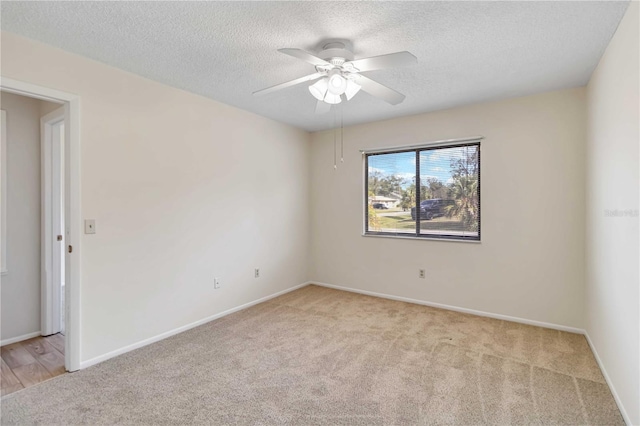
x: 398, y: 59
x: 305, y: 56
x: 288, y: 84
x: 322, y: 107
x: 380, y: 91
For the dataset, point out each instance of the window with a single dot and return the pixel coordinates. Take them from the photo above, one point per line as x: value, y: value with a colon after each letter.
x: 429, y: 191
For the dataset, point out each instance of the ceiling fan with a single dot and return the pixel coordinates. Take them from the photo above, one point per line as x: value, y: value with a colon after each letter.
x: 338, y: 74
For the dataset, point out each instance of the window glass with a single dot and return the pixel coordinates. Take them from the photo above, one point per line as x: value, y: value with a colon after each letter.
x: 391, y: 192
x: 444, y: 204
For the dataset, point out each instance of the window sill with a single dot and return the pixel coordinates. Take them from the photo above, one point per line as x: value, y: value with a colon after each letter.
x: 401, y: 237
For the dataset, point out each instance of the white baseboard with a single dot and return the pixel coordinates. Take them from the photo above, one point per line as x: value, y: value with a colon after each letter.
x: 456, y: 308
x: 625, y: 416
x: 19, y: 338
x: 145, y: 342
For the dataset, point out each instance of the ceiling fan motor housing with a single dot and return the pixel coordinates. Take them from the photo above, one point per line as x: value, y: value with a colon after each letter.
x: 336, y: 50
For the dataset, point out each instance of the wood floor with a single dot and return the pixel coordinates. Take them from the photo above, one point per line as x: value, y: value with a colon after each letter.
x: 31, y: 361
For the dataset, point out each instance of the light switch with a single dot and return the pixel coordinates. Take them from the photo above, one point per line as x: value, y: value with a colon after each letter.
x: 89, y: 226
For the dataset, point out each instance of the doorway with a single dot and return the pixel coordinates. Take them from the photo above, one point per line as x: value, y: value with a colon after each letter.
x: 33, y: 261
x: 61, y: 181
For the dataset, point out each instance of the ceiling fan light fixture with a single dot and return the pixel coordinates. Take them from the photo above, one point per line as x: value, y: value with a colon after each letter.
x: 352, y: 89
x: 337, y: 82
x: 332, y: 99
x: 319, y: 89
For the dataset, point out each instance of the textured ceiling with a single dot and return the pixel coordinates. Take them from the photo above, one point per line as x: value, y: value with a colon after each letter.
x: 467, y: 52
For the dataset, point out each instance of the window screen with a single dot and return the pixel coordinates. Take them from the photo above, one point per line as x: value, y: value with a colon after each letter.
x: 428, y: 192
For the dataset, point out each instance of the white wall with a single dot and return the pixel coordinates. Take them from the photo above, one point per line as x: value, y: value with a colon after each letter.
x: 530, y: 263
x: 20, y: 288
x: 613, y: 257
x: 182, y: 189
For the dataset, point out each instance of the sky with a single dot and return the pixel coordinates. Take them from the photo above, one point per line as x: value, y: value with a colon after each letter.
x: 434, y: 163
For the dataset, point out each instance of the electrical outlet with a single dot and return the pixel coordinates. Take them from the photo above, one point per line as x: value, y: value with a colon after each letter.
x: 257, y: 273
x: 216, y: 283
x: 421, y: 273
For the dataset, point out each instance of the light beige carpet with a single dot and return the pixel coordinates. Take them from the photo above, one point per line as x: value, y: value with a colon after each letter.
x: 322, y: 356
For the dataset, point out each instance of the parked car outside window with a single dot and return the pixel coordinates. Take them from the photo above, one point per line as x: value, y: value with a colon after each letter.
x: 430, y: 209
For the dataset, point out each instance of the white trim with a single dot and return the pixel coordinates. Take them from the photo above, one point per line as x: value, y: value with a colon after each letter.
x: 401, y: 237
x: 20, y: 338
x: 73, y: 214
x: 432, y: 144
x: 72, y: 207
x: 616, y: 398
x: 23, y: 88
x: 175, y: 331
x: 456, y: 308
x: 3, y: 194
x: 50, y: 248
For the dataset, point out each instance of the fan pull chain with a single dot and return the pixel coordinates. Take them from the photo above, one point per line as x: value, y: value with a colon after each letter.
x: 335, y: 137
x: 341, y: 134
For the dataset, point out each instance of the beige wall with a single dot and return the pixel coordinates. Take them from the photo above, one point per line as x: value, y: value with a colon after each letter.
x: 20, y: 290
x: 613, y: 255
x: 530, y: 263
x: 47, y: 107
x: 183, y: 189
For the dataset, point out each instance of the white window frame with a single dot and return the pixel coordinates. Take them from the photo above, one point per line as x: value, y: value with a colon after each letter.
x: 408, y: 148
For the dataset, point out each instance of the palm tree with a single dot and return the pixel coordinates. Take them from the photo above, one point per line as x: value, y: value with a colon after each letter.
x: 374, y: 220
x: 408, y: 197
x: 464, y: 191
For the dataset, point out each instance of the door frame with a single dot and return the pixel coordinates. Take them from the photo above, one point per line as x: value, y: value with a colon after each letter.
x: 73, y: 211
x: 3, y: 193
x: 50, y: 192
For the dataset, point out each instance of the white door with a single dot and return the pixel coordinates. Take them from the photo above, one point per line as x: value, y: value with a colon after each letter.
x: 53, y: 229
x: 57, y: 203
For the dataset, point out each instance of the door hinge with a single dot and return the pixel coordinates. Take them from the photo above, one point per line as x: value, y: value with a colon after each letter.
x: 70, y: 249
x: 59, y: 238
